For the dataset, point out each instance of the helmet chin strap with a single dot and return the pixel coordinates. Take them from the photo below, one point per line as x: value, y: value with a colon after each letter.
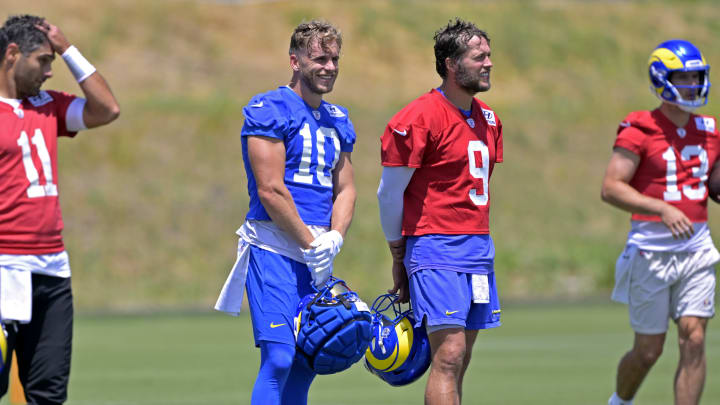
x: 686, y: 108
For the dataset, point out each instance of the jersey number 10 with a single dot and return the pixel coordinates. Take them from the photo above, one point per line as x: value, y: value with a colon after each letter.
x: 35, y: 189
x: 303, y: 174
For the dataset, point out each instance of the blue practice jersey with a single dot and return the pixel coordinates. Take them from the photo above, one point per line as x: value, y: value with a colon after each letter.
x: 313, y: 142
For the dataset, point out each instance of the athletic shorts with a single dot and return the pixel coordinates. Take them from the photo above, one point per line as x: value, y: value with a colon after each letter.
x: 664, y: 285
x: 443, y: 298
x: 275, y: 285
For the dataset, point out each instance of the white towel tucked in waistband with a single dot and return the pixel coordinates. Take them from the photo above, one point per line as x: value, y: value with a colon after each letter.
x: 15, y: 294
x: 231, y: 296
x: 267, y: 236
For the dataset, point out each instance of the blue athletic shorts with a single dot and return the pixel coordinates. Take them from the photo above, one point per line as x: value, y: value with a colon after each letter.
x: 444, y: 297
x: 275, y: 285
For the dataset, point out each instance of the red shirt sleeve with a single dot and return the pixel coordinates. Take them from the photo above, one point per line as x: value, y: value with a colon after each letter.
x: 630, y: 138
x: 61, y: 102
x: 499, y: 143
x: 405, y: 140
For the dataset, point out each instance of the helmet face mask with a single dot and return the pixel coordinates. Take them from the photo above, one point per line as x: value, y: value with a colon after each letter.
x: 678, y: 56
x: 399, y: 352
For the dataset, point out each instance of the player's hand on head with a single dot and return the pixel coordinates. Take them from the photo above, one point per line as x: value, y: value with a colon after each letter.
x: 400, y: 282
x: 679, y: 224
x: 55, y: 36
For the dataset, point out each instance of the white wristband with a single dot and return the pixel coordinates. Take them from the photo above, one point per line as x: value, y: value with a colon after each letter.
x: 79, y: 66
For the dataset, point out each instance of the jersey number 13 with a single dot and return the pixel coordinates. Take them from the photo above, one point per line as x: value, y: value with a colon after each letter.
x: 672, y: 193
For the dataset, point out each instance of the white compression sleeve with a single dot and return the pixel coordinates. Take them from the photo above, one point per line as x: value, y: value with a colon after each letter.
x: 390, y: 193
x: 74, y: 120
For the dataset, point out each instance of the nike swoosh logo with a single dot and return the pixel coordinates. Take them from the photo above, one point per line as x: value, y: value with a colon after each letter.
x: 401, y: 133
x: 272, y: 325
x: 448, y: 313
x: 258, y: 105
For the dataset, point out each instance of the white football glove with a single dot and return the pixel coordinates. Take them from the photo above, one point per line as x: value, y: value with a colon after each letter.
x: 319, y: 258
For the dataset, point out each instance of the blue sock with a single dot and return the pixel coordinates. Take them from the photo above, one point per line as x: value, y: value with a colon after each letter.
x: 276, y: 360
x: 298, y: 385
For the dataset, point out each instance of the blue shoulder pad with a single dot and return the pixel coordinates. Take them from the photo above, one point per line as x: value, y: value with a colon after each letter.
x: 265, y: 115
x: 342, y: 122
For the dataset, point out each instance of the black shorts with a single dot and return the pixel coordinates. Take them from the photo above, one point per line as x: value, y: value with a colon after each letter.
x: 43, y: 346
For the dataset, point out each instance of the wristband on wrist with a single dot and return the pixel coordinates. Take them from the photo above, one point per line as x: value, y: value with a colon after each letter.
x: 79, y: 66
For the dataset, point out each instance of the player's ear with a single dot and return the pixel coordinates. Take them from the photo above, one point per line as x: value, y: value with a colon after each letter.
x: 450, y: 65
x: 294, y: 62
x: 12, y: 53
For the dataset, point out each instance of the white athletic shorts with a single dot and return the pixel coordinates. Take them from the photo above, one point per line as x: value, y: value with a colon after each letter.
x: 662, y: 285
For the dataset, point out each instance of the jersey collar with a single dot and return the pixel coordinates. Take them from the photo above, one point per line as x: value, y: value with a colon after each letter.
x: 14, y: 103
x: 475, y: 106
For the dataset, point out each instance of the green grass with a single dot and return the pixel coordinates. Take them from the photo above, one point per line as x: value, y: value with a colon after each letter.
x: 555, y: 353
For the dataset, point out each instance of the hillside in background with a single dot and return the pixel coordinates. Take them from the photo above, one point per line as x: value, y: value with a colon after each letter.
x: 151, y: 202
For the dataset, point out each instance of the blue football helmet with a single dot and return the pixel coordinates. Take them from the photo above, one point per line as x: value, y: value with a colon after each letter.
x: 677, y: 55
x: 399, y: 353
x: 332, y: 328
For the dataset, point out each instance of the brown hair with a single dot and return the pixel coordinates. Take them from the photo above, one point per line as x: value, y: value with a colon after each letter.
x: 451, y: 42
x: 307, y: 32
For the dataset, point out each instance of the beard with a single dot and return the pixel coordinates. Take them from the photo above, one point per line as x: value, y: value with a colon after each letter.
x: 26, y: 87
x: 470, y: 81
x: 312, y: 83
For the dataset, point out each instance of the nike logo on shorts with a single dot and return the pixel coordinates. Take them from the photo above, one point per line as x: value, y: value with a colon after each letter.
x: 448, y: 313
x: 273, y: 326
x: 401, y: 133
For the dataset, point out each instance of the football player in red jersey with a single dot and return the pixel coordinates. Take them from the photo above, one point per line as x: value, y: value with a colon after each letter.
x: 35, y: 291
x: 438, y: 154
x: 658, y: 172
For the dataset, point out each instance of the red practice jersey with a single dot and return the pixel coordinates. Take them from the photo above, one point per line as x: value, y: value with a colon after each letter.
x: 674, y: 162
x: 453, y: 156
x: 30, y: 220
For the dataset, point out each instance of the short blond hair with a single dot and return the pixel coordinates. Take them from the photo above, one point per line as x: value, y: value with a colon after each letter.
x: 305, y: 33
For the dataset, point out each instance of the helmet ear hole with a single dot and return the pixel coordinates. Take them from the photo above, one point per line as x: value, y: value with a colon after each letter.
x: 401, y: 354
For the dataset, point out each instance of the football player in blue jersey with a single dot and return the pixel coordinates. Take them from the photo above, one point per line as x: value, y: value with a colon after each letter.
x: 296, y: 150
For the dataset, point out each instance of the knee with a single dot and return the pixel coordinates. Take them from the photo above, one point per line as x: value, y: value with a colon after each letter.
x: 450, y: 360
x: 278, y: 358
x: 692, y: 342
x: 648, y: 355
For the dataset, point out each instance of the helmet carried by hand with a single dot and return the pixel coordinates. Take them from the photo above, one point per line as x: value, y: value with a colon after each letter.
x: 332, y: 328
x: 399, y: 352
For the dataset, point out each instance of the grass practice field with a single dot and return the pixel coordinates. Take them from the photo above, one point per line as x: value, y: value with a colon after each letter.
x: 543, y: 354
